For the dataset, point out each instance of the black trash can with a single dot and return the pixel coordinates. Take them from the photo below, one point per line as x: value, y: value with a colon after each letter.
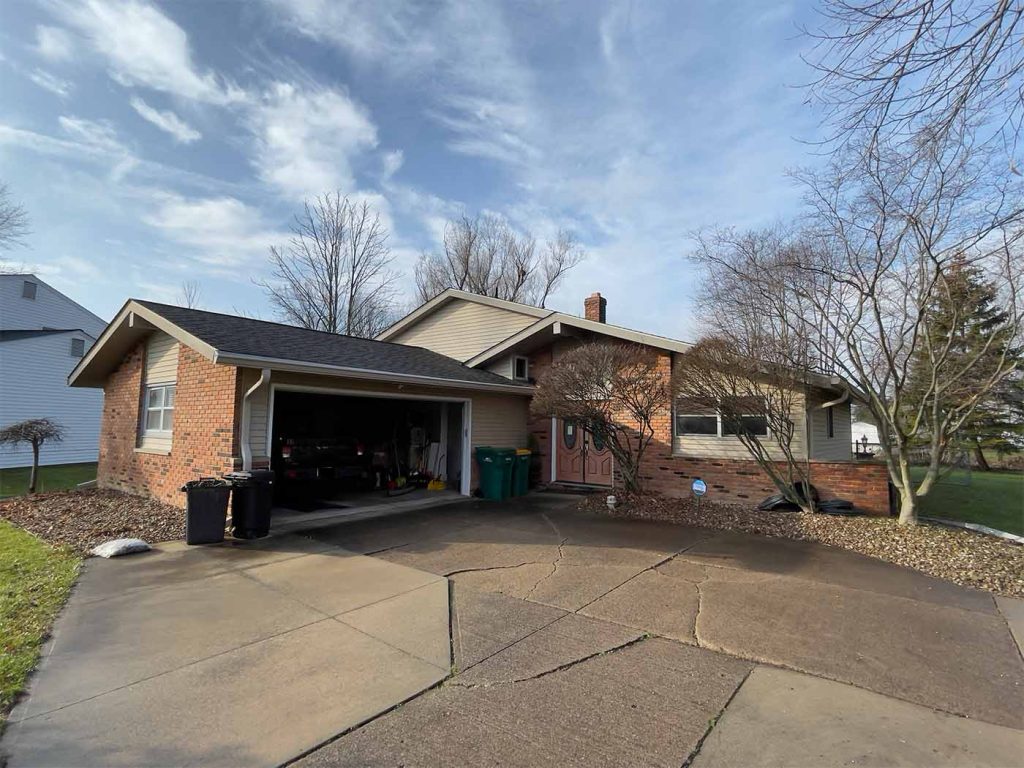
x: 252, y: 498
x: 206, y: 510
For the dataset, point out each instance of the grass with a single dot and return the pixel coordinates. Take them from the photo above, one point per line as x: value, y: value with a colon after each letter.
x: 35, y: 579
x: 59, y: 477
x: 995, y: 499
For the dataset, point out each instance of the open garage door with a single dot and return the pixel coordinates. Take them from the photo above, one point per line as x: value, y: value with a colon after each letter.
x: 334, y: 449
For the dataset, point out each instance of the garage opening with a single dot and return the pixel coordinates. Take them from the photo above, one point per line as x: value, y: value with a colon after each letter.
x: 337, y: 451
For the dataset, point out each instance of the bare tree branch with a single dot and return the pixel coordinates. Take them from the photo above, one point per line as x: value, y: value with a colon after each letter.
x: 13, y: 221
x: 334, y: 274
x: 486, y: 256
x: 189, y: 294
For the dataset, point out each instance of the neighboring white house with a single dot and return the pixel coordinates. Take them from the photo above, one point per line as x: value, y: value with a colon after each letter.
x: 43, y: 335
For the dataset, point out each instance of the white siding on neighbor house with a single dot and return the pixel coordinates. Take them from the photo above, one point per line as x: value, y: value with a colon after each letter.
x: 823, y: 447
x: 463, y: 329
x: 33, y: 385
x: 49, y: 309
x: 161, y: 368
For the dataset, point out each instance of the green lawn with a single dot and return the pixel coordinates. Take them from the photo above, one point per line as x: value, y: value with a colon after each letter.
x: 995, y: 499
x: 14, y: 482
x: 34, y: 582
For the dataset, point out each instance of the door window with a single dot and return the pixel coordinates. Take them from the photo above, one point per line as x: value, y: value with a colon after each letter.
x: 598, y: 441
x: 569, y: 434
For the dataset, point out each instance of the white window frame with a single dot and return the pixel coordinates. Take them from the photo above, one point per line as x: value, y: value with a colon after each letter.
x: 163, y: 408
x: 719, y: 434
x: 526, y: 365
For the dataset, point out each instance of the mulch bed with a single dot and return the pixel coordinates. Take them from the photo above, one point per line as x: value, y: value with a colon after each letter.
x: 963, y: 557
x: 82, y: 519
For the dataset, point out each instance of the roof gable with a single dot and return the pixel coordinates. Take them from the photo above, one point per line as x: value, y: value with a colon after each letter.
x: 245, y: 342
x: 443, y: 299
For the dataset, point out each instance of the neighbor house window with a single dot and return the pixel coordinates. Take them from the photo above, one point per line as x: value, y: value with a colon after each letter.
x: 28, y: 290
x: 159, y: 408
x: 695, y: 419
x: 77, y: 347
x: 830, y: 421
x: 520, y: 368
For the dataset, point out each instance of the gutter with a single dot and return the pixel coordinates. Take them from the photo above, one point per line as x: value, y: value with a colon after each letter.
x: 244, y: 430
x: 323, y: 369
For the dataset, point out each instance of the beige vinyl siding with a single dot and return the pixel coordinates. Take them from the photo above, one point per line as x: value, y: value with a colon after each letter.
x: 463, y: 329
x: 707, y: 446
x: 824, y: 448
x: 499, y: 420
x: 161, y: 368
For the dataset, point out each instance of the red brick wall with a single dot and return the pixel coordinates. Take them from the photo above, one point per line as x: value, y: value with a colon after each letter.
x: 730, y: 480
x: 540, y: 426
x: 205, y: 441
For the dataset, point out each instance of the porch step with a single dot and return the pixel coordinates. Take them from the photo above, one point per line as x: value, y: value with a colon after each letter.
x: 578, y: 489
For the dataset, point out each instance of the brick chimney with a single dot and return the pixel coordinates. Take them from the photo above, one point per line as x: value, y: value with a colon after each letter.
x: 595, y: 307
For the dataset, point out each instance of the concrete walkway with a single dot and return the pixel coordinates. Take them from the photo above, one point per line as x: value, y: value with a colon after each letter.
x: 564, y: 638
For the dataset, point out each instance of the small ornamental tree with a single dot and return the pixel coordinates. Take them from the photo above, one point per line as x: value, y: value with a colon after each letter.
x: 35, y: 432
x: 758, y: 401
x: 612, y: 390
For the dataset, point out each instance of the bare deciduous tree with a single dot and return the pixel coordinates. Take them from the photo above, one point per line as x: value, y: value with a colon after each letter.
x: 334, y: 274
x: 854, y: 286
x: 894, y: 67
x: 614, y: 391
x: 35, y: 432
x: 13, y: 220
x: 190, y: 294
x: 760, y: 396
x: 486, y: 256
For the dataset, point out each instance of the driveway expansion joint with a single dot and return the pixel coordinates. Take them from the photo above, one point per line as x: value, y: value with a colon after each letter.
x: 554, y: 670
x: 715, y: 720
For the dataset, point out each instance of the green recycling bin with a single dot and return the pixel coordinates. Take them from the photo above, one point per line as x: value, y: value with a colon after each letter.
x: 495, y: 471
x: 507, y: 460
x: 521, y: 472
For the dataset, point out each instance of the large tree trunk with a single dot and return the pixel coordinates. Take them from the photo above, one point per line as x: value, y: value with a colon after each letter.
x: 35, y: 468
x: 979, y: 457
x: 908, y: 493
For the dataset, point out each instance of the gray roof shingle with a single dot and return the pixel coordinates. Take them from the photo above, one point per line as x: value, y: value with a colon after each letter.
x: 230, y: 334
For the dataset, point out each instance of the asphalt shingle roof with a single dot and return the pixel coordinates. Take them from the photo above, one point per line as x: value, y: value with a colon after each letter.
x: 230, y: 334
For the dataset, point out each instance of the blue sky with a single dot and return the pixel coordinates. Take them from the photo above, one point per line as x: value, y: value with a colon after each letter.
x: 156, y: 142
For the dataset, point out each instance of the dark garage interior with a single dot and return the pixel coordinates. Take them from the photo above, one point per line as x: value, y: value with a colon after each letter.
x: 341, y: 450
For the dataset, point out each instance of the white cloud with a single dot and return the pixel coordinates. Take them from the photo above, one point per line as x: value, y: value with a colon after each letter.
x: 482, y: 92
x: 392, y: 162
x: 54, y: 43
x: 166, y: 121
x: 51, y: 83
x: 306, y: 139
x: 221, y: 231
x: 142, y: 46
x: 100, y: 138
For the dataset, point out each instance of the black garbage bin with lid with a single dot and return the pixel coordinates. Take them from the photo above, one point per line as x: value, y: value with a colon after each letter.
x: 252, y: 498
x: 206, y: 510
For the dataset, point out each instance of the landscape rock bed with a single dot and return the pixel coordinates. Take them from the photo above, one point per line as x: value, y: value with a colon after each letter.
x: 84, y: 518
x: 961, y: 556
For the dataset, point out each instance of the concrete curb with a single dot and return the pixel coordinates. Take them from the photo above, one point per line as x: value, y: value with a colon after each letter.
x: 977, y: 529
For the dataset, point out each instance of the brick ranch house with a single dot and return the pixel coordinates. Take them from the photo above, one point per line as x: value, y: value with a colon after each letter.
x: 190, y: 393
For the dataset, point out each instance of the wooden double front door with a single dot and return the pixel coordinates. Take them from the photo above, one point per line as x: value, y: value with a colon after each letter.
x: 581, y: 457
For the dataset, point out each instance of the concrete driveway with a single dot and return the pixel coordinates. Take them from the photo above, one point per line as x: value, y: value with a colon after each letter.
x: 572, y: 639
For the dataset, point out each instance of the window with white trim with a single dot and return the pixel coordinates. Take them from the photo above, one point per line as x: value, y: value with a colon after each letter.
x: 159, y: 409
x: 694, y: 419
x: 521, y: 368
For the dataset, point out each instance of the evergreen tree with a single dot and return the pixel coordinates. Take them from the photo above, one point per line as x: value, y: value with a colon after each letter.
x: 965, y: 317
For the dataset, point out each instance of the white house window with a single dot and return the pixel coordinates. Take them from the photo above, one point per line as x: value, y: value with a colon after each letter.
x: 830, y: 421
x: 695, y: 419
x: 28, y: 290
x: 77, y: 347
x: 159, y: 408
x: 520, y: 368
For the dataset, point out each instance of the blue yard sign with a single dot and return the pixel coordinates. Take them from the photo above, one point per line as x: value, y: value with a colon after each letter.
x: 699, y: 487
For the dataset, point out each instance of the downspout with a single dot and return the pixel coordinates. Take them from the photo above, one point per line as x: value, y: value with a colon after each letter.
x: 838, y: 401
x: 246, y: 415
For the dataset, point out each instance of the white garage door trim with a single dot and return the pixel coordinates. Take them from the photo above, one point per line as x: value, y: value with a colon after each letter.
x: 467, y: 416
